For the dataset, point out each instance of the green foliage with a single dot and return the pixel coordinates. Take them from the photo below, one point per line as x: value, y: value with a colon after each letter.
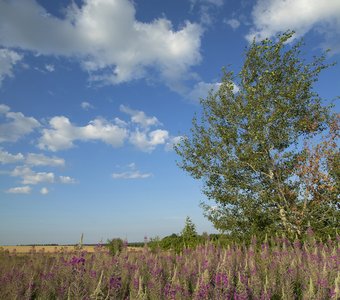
x: 187, y: 239
x: 189, y: 234
x: 115, y: 246
x: 246, y: 147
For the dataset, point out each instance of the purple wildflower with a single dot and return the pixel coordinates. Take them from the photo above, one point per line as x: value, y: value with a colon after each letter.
x: 115, y: 282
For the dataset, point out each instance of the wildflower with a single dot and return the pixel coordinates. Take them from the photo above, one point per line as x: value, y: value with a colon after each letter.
x: 221, y: 280
x: 77, y: 261
x: 93, y: 274
x: 115, y: 282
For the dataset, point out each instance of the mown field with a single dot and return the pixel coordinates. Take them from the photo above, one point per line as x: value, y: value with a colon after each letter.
x: 51, y: 249
x: 47, y: 249
x: 276, y: 269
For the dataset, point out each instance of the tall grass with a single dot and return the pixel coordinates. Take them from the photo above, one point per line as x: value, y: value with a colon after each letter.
x: 276, y: 269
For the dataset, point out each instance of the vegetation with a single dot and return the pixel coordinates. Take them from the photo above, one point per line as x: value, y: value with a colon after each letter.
x: 248, y: 149
x: 254, y: 150
x: 275, y: 269
x: 115, y: 246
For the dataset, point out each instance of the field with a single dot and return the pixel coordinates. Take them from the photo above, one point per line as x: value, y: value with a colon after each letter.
x: 47, y: 249
x: 276, y: 269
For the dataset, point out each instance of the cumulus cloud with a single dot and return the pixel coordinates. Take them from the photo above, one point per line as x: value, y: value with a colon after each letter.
x: 62, y: 133
x: 132, y: 173
x: 17, y: 125
x: 44, y: 191
x: 273, y: 16
x: 8, y: 158
x: 30, y: 177
x: 148, y: 140
x: 233, y: 23
x: 8, y: 58
x: 67, y: 180
x: 106, y: 37
x: 139, y: 117
x: 35, y: 159
x: 20, y: 190
x: 86, y: 105
x: 32, y: 159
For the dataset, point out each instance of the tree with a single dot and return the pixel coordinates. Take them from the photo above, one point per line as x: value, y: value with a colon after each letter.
x: 246, y: 147
x: 189, y: 230
x: 189, y: 234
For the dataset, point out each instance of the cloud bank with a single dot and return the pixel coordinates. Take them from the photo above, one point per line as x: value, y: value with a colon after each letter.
x: 273, y: 16
x: 17, y: 125
x: 138, y: 131
x: 105, y: 37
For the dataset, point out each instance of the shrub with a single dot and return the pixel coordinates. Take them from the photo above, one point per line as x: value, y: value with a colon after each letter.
x: 115, y: 246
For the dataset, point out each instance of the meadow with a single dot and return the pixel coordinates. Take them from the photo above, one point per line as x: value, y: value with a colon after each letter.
x: 274, y: 269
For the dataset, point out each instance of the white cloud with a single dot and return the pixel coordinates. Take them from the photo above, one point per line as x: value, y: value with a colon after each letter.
x: 44, y: 191
x: 8, y: 58
x: 202, y: 89
x: 19, y: 190
x: 86, y: 105
x: 4, y: 109
x: 35, y: 159
x: 8, y: 158
x: 67, y: 180
x: 233, y: 23
x: 148, y: 141
x: 106, y: 37
x: 62, y: 133
x: 131, y: 174
x: 169, y: 146
x: 273, y: 16
x: 139, y: 117
x: 17, y: 127
x: 120, y: 123
x: 49, y: 68
x: 30, y: 177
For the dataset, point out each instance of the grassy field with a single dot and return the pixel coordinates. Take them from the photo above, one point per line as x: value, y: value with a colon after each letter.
x: 277, y: 269
x: 48, y: 249
x: 52, y: 249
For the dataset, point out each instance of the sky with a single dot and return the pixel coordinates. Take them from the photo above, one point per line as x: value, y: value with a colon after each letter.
x: 95, y: 93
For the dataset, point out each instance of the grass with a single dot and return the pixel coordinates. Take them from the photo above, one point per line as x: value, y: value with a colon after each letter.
x: 276, y: 269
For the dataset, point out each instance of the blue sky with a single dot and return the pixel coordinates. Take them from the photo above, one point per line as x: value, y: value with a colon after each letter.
x: 94, y: 93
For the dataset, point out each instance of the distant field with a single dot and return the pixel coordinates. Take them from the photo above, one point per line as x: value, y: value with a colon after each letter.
x: 52, y: 249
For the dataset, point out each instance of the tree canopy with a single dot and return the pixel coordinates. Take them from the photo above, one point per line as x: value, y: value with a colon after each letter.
x: 247, y: 146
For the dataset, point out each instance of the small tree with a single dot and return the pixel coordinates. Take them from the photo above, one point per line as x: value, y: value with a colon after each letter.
x: 189, y: 234
x: 246, y: 145
x: 115, y: 246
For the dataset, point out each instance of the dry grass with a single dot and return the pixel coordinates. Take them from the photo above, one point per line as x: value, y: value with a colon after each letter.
x: 49, y: 249
x: 53, y: 249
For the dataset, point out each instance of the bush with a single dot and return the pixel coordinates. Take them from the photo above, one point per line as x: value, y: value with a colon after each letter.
x: 115, y: 246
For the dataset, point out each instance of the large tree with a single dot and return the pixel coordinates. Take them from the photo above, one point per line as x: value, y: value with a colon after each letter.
x: 246, y: 146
